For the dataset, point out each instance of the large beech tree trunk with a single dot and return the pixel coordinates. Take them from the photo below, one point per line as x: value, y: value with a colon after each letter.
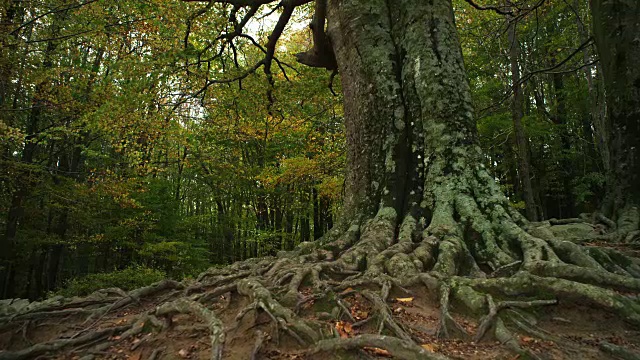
x: 616, y: 25
x: 413, y: 154
x: 407, y: 103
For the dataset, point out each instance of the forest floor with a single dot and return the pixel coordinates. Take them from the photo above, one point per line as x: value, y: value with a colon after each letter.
x: 130, y: 326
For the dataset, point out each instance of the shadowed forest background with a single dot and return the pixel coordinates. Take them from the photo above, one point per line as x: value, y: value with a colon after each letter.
x: 133, y: 147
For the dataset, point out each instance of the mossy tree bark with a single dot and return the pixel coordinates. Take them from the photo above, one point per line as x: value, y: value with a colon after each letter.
x: 616, y: 25
x: 413, y: 149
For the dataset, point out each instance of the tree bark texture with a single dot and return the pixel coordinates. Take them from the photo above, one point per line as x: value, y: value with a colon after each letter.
x: 517, y: 101
x: 616, y: 25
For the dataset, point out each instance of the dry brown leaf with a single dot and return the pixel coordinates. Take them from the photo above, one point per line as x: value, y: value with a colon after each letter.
x: 527, y: 339
x: 344, y: 329
x: 361, y: 315
x: 378, y: 351
x: 346, y: 291
x: 430, y: 347
x: 136, y: 356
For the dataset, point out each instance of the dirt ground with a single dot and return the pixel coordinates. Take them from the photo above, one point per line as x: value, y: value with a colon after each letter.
x: 567, y: 332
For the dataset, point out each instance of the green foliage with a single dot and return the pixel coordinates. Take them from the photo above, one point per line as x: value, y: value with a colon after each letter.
x: 562, y: 103
x: 127, y: 279
x: 110, y: 159
x: 115, y: 150
x: 588, y: 189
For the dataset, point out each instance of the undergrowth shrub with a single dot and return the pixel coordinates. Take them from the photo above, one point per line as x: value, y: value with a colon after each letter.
x: 127, y: 279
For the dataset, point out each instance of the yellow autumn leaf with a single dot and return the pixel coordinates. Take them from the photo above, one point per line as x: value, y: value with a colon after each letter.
x: 405, y: 300
x: 430, y: 347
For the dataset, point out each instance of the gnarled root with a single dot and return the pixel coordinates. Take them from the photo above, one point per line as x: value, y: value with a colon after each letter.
x: 284, y: 318
x: 214, y: 324
x: 55, y: 345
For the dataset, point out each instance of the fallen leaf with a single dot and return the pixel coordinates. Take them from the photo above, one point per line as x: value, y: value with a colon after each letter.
x: 346, y: 291
x: 361, y: 315
x: 183, y: 353
x: 378, y: 351
x: 430, y: 347
x: 405, y: 300
x: 344, y: 329
x: 527, y: 339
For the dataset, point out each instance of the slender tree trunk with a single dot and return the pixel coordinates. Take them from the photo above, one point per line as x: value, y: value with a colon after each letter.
x: 305, y: 230
x: 522, y: 143
x: 318, y: 226
x: 327, y: 218
x: 591, y: 120
x: 589, y: 123
x: 561, y: 117
x: 8, y: 14
x: 16, y: 210
x: 601, y: 125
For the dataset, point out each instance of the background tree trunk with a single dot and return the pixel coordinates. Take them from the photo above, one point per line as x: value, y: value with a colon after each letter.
x: 616, y: 25
x: 524, y: 164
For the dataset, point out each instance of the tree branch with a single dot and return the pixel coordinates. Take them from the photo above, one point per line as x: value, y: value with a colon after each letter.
x: 548, y: 70
x: 321, y: 55
x: 287, y: 6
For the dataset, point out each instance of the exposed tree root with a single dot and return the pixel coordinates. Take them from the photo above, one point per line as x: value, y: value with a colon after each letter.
x: 258, y: 345
x: 59, y: 307
x: 474, y: 258
x: 447, y: 322
x: 489, y: 320
x: 214, y: 324
x: 156, y: 352
x: 386, y: 319
x: 42, y: 348
x: 619, y: 351
x: 284, y: 318
x: 625, y: 230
